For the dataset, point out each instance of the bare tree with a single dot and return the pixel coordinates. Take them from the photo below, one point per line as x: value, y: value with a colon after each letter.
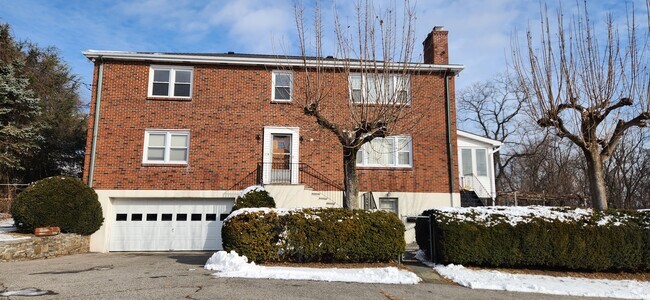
x: 495, y: 108
x: 373, y: 55
x: 628, y: 171
x: 588, y: 90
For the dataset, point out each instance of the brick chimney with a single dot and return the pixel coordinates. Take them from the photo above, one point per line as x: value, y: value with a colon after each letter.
x: 436, y: 50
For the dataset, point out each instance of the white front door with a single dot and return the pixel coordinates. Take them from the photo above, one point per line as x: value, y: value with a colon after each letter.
x: 280, y: 159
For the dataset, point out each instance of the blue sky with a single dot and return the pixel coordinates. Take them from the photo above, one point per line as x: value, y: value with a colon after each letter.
x: 479, y: 31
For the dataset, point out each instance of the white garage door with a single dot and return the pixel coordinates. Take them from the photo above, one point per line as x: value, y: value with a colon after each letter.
x: 167, y: 224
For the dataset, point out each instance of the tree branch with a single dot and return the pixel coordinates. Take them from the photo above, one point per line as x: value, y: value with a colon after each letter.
x: 640, y: 121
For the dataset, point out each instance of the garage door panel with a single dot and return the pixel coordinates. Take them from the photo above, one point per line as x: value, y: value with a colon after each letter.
x: 167, y: 224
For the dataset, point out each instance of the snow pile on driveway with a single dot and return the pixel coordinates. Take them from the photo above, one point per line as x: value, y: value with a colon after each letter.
x: 514, y: 215
x: 233, y: 265
x: 569, y: 286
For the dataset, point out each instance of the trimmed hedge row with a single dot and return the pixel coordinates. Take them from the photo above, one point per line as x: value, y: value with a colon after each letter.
x: 601, y: 241
x: 314, y: 235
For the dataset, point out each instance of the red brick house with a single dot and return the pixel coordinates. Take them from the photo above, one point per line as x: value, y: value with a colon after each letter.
x: 174, y: 137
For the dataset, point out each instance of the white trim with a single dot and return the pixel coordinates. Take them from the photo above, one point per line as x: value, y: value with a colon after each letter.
x: 263, y: 61
x: 267, y: 156
x: 478, y: 138
x: 167, y: 146
x: 281, y: 72
x: 172, y: 80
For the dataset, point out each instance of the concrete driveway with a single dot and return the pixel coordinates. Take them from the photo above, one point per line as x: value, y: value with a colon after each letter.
x: 181, y: 276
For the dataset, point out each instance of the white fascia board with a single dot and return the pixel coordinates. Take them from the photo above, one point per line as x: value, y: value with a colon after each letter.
x: 478, y: 138
x: 234, y: 60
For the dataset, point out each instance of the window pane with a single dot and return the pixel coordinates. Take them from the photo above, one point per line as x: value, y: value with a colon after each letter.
x: 481, y: 162
x: 181, y: 217
x: 160, y: 89
x: 152, y: 217
x: 404, y: 158
x: 388, y: 152
x: 466, y: 156
x: 355, y: 82
x: 183, y: 76
x: 157, y: 140
x: 196, y: 217
x: 136, y: 217
x: 178, y: 154
x: 166, y: 217
x: 181, y: 90
x: 161, y: 75
x: 210, y: 217
x: 381, y: 152
x: 155, y: 154
x: 120, y: 217
x: 360, y: 157
x: 282, y: 93
x: 282, y: 80
x: 388, y: 204
x: 179, y: 140
x: 356, y: 96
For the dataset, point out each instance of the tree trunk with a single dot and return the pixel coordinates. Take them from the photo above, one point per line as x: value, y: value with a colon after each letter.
x: 597, y: 187
x: 350, y: 179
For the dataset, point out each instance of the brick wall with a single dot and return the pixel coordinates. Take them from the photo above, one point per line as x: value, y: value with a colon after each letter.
x: 229, y: 108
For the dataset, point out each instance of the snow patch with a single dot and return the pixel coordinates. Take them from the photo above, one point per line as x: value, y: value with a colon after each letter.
x: 253, y: 188
x: 6, y: 226
x: 569, y: 286
x: 520, y: 214
x: 233, y: 265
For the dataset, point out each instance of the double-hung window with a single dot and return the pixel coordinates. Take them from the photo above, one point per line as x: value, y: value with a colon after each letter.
x: 282, y: 86
x: 392, y: 151
x: 170, y: 82
x: 379, y: 88
x: 166, y: 146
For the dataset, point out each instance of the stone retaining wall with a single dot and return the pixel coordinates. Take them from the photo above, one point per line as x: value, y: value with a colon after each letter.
x: 44, y: 247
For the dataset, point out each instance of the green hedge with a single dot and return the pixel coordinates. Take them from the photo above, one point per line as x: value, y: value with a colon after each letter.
x: 254, y: 198
x: 314, y: 235
x: 58, y: 201
x: 595, y: 241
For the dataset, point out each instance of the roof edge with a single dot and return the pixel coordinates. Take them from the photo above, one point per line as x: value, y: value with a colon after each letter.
x: 239, y: 60
x: 478, y: 138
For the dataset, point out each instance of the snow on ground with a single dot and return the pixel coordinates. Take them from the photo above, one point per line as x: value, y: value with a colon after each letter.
x: 233, y: 265
x: 6, y: 226
x: 571, y: 286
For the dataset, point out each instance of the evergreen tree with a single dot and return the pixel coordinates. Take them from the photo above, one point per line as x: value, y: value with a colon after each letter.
x: 19, y: 127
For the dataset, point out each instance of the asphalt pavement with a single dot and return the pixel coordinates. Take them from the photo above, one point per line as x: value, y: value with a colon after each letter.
x: 181, y: 276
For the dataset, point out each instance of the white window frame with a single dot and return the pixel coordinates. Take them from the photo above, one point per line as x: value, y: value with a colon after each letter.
x: 393, y: 199
x: 282, y: 72
x: 474, y: 161
x: 393, y: 80
x: 166, y: 156
x: 172, y: 80
x: 395, y: 152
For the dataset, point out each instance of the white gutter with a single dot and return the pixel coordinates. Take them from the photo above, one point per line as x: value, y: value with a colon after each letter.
x: 264, y: 61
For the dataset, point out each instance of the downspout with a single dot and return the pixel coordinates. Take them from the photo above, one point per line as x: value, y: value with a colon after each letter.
x: 450, y: 154
x: 100, y: 76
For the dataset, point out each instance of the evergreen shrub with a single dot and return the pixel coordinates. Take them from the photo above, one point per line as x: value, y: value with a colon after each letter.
x: 588, y: 241
x: 58, y: 201
x: 314, y: 235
